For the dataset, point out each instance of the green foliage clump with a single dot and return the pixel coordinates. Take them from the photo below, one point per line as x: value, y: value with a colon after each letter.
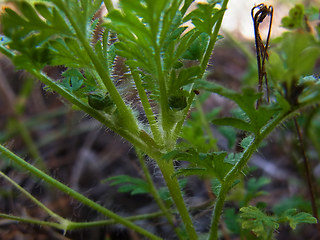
x: 165, y: 62
x: 264, y: 226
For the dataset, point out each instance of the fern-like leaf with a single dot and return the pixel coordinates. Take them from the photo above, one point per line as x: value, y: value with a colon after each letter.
x: 129, y: 184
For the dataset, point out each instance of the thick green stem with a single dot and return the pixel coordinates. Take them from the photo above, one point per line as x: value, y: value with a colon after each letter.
x: 155, y: 193
x: 36, y: 172
x: 167, y: 170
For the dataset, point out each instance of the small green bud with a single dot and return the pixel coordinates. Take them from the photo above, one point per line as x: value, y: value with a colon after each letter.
x: 177, y: 102
x: 100, y: 102
x: 177, y: 65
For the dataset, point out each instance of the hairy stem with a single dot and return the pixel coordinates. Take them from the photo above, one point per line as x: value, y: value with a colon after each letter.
x: 236, y: 170
x: 79, y: 225
x: 32, y: 221
x: 86, y: 201
x: 167, y: 170
x: 165, y: 119
x: 155, y: 193
x: 147, y: 108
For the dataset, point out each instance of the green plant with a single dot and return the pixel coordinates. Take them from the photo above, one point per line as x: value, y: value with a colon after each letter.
x: 166, y: 63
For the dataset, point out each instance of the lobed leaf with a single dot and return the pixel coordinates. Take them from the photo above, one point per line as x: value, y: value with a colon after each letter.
x: 202, y: 164
x: 246, y: 100
x: 204, y: 17
x: 258, y: 222
x: 293, y: 218
x: 129, y: 184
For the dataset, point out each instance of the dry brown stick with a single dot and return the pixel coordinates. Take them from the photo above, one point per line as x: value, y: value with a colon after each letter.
x: 311, y: 186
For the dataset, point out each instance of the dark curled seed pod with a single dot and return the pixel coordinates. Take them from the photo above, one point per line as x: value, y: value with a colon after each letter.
x: 178, y: 102
x: 100, y: 101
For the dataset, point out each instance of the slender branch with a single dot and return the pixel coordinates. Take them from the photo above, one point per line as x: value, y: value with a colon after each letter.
x: 311, y: 186
x: 234, y: 172
x: 146, y: 106
x: 179, y: 125
x: 165, y: 118
x: 79, y: 225
x: 32, y: 198
x: 32, y: 221
x: 36, y: 172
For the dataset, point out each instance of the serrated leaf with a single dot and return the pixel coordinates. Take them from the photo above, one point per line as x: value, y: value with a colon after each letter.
x: 295, y: 18
x: 298, y: 52
x: 206, y: 165
x: 253, y: 189
x: 30, y: 34
x: 204, y: 17
x: 215, y: 186
x: 185, y: 77
x: 196, y: 47
x: 31, y: 15
x: 245, y: 143
x: 44, y: 11
x: 233, y: 122
x: 246, y: 101
x: 129, y: 184
x: 295, y: 218
x: 69, y: 52
x: 73, y: 79
x: 258, y: 222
